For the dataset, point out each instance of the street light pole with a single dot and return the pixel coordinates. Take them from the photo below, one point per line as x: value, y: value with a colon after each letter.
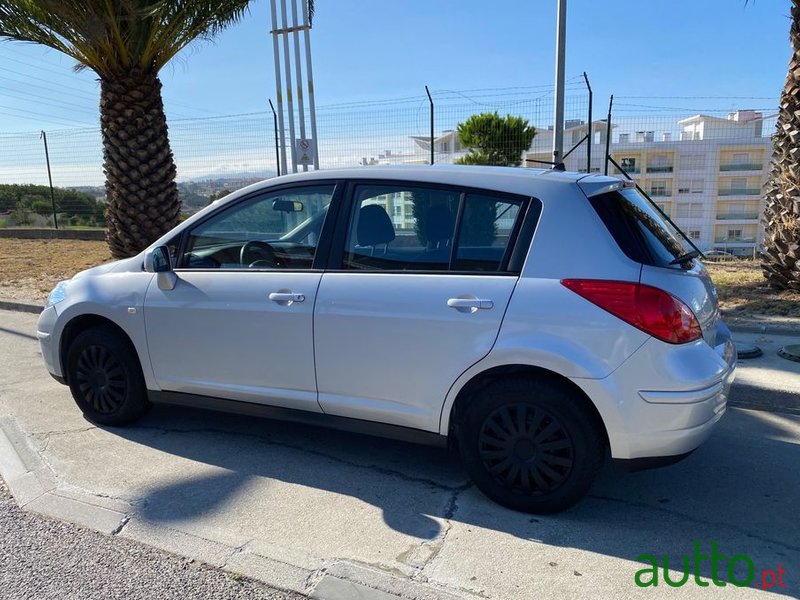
x: 561, y: 44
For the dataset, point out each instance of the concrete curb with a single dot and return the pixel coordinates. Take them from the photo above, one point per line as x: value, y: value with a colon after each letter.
x: 765, y: 328
x: 21, y: 306
x: 36, y: 488
x: 53, y: 234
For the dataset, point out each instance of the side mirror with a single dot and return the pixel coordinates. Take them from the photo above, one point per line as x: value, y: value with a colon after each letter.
x: 157, y: 260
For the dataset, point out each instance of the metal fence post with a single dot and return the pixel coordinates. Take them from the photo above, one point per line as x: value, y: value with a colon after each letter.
x: 591, y: 137
x: 277, y: 150
x: 608, y: 134
x: 427, y: 91
x: 50, y: 178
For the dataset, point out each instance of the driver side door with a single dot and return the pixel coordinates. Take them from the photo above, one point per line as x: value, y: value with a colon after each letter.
x: 238, y: 323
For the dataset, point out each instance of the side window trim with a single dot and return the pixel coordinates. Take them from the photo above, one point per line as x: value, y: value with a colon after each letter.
x: 326, y: 233
x: 529, y: 206
x: 517, y: 251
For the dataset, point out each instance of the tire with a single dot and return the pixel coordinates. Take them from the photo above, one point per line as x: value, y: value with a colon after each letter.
x: 105, y: 377
x: 530, y: 445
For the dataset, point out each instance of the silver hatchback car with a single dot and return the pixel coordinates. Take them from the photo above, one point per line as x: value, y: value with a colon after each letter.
x: 539, y: 321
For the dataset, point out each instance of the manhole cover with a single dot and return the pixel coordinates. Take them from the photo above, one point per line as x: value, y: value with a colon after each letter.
x: 745, y: 350
x: 790, y: 352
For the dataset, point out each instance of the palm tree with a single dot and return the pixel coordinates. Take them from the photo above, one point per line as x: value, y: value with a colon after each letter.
x: 781, y: 262
x: 126, y: 43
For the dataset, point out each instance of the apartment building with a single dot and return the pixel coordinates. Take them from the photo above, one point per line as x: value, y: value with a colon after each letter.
x: 705, y: 172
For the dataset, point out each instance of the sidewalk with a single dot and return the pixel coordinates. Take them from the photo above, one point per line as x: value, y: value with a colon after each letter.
x: 334, y: 515
x: 763, y: 324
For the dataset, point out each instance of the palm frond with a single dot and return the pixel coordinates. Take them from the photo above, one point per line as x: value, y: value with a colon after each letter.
x: 113, y: 36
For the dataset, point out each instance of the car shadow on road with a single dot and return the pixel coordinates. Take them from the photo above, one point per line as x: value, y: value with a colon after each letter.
x: 740, y: 490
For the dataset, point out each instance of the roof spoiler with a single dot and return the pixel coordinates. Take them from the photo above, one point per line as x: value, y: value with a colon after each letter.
x: 594, y: 186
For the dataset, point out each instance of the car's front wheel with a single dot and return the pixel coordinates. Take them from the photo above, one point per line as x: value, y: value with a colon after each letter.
x: 530, y: 444
x: 105, y: 377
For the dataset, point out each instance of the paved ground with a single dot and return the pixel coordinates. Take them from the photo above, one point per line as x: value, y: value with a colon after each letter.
x: 46, y: 558
x: 314, y: 510
x: 769, y: 382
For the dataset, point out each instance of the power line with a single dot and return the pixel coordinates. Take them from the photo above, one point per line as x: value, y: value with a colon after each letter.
x: 73, y: 77
x: 61, y: 87
x: 61, y: 120
x: 46, y: 100
x: 701, y: 97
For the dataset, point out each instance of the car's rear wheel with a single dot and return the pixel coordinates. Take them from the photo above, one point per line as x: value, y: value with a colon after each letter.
x: 530, y: 445
x: 105, y: 377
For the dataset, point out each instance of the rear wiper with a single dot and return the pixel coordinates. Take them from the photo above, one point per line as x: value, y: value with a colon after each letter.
x: 684, y: 258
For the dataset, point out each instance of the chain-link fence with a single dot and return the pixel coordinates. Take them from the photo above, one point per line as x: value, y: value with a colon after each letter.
x: 705, y: 168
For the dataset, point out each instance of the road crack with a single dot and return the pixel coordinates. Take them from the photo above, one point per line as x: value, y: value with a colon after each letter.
x: 419, y: 558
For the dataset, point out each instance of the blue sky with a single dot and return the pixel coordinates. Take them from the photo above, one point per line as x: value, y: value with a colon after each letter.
x: 377, y: 50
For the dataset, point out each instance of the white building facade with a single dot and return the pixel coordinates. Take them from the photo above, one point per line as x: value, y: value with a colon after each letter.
x: 709, y: 180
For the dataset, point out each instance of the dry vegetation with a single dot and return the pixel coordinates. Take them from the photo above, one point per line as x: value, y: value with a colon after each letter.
x: 30, y: 268
x: 743, y: 291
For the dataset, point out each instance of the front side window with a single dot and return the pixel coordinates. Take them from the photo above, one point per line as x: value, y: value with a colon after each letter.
x: 440, y: 229
x: 274, y: 230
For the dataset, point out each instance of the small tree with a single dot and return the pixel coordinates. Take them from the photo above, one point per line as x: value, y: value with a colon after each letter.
x: 495, y: 140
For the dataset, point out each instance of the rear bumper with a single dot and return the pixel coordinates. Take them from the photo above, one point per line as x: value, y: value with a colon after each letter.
x: 631, y: 465
x: 665, y: 400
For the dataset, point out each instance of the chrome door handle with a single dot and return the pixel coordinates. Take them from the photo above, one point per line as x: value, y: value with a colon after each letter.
x: 470, y: 304
x: 286, y: 297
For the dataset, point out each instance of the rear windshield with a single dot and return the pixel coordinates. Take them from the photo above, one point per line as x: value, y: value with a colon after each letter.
x: 639, y: 230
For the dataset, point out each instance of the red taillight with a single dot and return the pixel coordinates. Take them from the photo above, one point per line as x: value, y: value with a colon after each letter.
x: 650, y: 309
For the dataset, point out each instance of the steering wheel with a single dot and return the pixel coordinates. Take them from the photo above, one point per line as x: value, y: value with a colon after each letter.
x: 256, y: 253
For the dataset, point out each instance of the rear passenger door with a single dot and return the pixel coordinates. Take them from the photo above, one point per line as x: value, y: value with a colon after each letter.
x: 415, y: 293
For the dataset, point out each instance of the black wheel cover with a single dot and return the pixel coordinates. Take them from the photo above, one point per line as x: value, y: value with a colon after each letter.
x: 101, y: 379
x: 526, y: 449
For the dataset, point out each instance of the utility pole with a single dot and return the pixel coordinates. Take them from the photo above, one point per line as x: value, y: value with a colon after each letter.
x: 561, y: 45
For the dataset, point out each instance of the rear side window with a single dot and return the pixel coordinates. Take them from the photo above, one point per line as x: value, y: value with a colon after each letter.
x: 641, y: 233
x: 399, y: 227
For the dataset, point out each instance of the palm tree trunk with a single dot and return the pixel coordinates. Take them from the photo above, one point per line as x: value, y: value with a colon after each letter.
x: 141, y: 196
x: 781, y: 263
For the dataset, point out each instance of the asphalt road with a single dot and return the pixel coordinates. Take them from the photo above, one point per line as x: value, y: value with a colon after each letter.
x: 42, y: 558
x: 315, y: 510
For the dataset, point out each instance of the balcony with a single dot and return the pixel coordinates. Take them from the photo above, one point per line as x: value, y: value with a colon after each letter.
x: 735, y: 240
x: 629, y: 170
x: 659, y: 193
x: 660, y: 169
x: 742, y: 167
x: 737, y: 216
x: 740, y: 192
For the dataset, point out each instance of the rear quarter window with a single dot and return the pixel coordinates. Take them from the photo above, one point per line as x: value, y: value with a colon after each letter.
x: 641, y: 233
